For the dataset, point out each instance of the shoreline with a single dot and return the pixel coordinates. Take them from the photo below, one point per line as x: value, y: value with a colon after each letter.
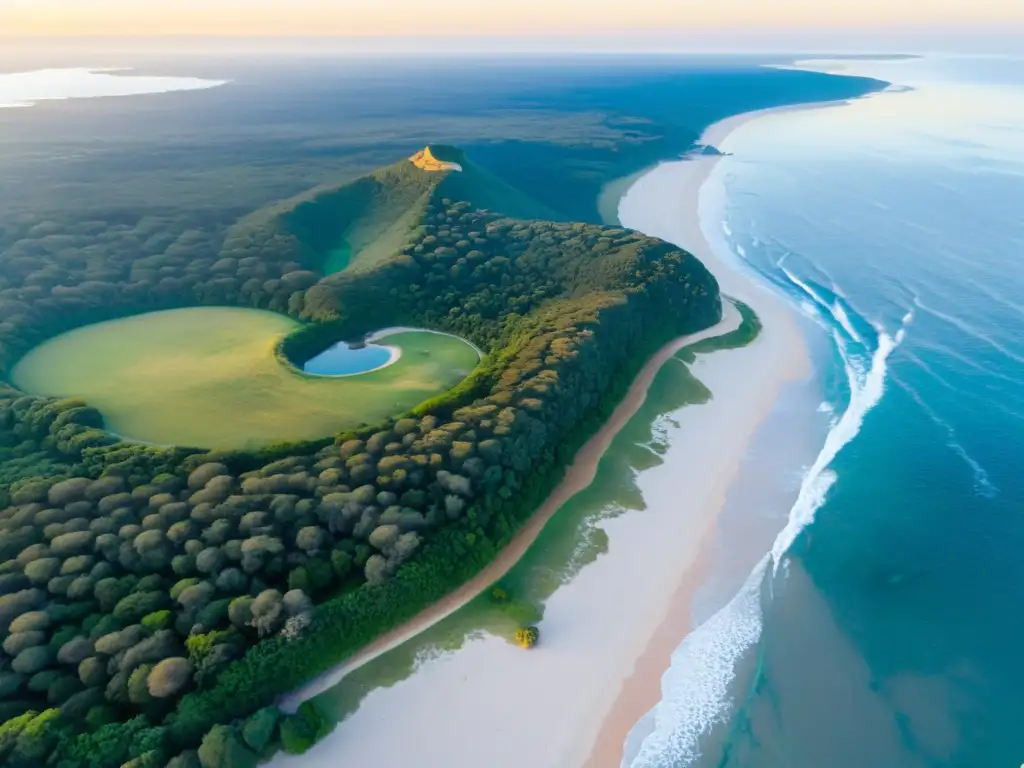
x: 641, y: 691
x: 578, y: 475
x: 583, y: 718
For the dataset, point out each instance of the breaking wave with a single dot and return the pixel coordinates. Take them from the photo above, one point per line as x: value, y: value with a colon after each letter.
x: 695, y: 689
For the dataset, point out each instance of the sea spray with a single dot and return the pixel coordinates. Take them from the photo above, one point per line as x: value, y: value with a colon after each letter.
x: 835, y: 308
x: 866, y: 390
x: 695, y: 688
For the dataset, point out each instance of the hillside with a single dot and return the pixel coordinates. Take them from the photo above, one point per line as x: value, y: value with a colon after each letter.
x: 155, y: 599
x: 360, y: 223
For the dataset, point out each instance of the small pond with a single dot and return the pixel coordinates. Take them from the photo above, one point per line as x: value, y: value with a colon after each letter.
x: 344, y: 359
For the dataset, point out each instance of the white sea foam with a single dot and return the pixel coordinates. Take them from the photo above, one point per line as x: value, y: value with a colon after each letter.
x: 866, y: 390
x: 844, y: 320
x: 809, y: 309
x: 835, y: 308
x: 23, y: 89
x: 695, y: 688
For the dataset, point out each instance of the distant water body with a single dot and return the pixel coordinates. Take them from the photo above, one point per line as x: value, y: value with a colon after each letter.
x: 884, y: 628
x: 24, y: 89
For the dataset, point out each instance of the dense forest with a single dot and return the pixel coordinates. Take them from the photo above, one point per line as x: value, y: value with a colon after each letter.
x: 155, y: 601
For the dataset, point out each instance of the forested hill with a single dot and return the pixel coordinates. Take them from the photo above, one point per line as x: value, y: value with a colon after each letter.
x: 155, y: 601
x: 374, y: 216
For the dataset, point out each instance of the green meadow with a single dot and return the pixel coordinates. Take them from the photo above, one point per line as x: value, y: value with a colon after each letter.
x: 208, y: 377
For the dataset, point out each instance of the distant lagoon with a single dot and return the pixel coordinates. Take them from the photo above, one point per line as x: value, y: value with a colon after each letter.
x: 24, y: 89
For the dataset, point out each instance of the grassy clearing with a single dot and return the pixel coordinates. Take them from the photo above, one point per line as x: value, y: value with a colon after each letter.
x: 208, y: 377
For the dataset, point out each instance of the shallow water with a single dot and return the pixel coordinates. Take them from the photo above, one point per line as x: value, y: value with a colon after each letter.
x: 343, y: 359
x: 887, y: 613
x: 24, y: 89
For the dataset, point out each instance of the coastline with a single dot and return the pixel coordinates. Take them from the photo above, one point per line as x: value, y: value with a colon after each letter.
x: 583, y: 719
x: 678, y: 184
x: 578, y: 476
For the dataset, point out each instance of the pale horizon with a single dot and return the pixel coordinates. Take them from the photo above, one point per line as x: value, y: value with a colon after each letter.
x: 453, y: 18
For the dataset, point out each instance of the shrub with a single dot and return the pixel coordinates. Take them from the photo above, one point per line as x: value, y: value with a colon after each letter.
x: 223, y: 748
x: 261, y: 728
x: 157, y: 620
x: 169, y: 676
x: 302, y: 730
x: 32, y: 660
x: 527, y: 637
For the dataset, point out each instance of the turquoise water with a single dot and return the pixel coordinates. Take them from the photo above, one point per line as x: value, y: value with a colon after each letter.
x: 884, y: 628
x: 343, y: 359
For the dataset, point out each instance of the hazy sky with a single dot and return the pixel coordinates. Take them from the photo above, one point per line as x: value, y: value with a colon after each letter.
x: 436, y: 17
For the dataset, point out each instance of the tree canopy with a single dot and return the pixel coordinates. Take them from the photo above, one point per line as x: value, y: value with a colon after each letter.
x: 155, y: 600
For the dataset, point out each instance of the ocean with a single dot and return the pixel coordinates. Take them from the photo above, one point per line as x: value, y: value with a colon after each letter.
x: 884, y: 626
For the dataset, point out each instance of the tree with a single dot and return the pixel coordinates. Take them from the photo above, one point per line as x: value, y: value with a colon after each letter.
x: 36, y: 739
x: 527, y: 637
x: 261, y: 728
x: 138, y: 684
x: 267, y: 612
x: 240, y: 611
x: 75, y: 651
x: 42, y: 570
x: 157, y: 620
x: 169, y: 676
x: 31, y: 621
x: 92, y: 672
x: 17, y: 642
x: 310, y: 538
x: 210, y: 560
x: 341, y: 563
x: 301, y: 731
x: 222, y: 748
x: 32, y: 660
x: 154, y: 549
x: 377, y: 570
x: 187, y: 759
x: 134, y: 607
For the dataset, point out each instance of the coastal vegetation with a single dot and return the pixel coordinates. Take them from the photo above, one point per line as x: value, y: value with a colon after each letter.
x: 575, y: 537
x: 154, y: 601
x: 527, y: 637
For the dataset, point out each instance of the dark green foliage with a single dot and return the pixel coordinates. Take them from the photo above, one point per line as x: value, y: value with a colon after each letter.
x: 260, y: 729
x: 223, y: 747
x: 157, y: 620
x: 302, y: 730
x: 163, y: 595
x: 187, y: 759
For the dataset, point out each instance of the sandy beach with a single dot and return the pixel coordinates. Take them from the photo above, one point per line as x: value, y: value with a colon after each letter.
x: 607, y: 636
